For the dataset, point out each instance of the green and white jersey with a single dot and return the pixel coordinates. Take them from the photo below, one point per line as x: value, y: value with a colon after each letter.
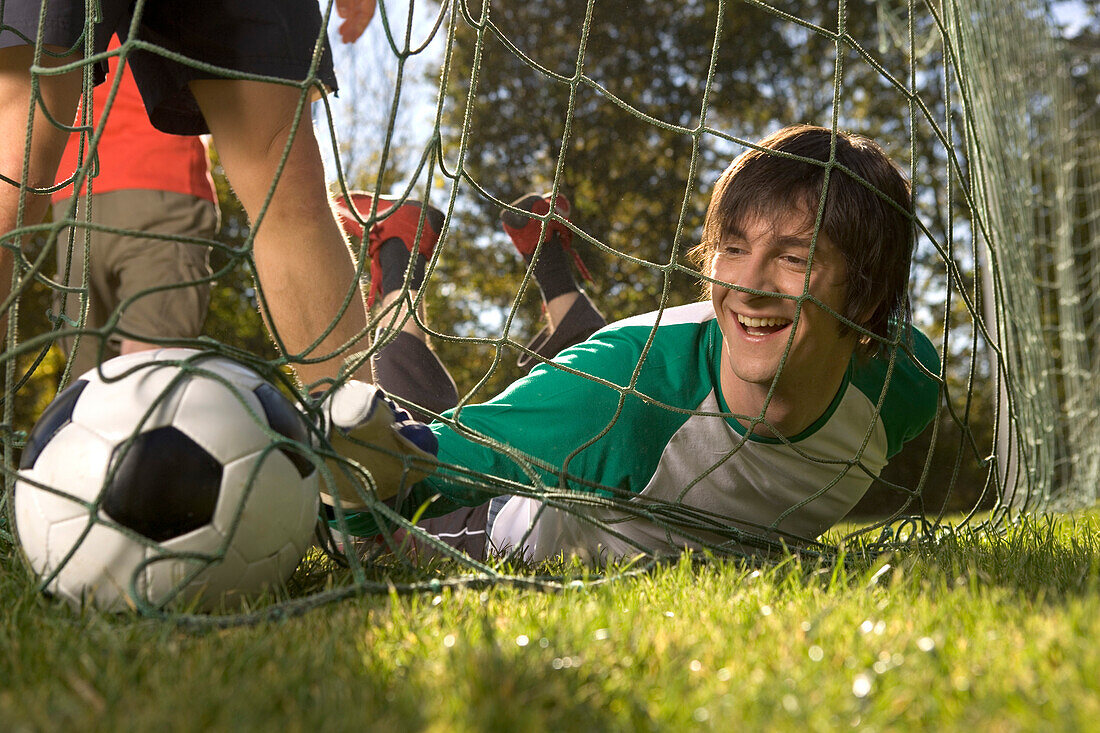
x: 636, y: 412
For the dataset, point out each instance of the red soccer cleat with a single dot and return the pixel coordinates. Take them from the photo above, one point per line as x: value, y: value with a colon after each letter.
x: 526, y: 230
x: 402, y: 223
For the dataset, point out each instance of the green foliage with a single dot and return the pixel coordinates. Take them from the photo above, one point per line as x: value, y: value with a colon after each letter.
x: 36, y: 370
x: 630, y: 136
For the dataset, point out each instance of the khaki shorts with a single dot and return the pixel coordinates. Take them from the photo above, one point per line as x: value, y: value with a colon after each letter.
x: 130, y: 275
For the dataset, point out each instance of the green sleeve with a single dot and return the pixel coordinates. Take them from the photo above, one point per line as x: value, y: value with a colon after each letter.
x: 910, y: 396
x: 530, y: 429
x: 539, y: 429
x: 576, y: 423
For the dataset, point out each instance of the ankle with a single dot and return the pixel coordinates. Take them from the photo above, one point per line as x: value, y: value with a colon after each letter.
x: 396, y: 308
x: 394, y: 258
x: 552, y: 271
x: 558, y: 307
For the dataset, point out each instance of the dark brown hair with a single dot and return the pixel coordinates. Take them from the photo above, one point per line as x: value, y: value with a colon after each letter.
x: 870, y: 222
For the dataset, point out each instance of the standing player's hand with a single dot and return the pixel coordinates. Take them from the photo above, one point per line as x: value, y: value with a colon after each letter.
x: 357, y: 15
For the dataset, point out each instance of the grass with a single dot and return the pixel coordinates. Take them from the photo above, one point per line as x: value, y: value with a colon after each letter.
x: 980, y: 632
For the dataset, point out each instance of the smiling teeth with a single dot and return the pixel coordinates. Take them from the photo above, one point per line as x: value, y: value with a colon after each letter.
x: 758, y: 322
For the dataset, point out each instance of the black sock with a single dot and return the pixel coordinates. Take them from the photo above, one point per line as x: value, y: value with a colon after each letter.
x: 407, y: 368
x: 553, y: 271
x: 394, y: 257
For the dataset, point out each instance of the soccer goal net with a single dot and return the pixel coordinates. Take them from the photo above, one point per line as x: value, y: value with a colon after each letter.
x: 633, y: 110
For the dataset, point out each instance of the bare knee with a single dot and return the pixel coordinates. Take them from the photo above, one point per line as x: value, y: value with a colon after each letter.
x: 252, y: 124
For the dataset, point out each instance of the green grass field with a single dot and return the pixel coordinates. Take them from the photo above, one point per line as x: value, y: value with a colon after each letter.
x: 983, y: 633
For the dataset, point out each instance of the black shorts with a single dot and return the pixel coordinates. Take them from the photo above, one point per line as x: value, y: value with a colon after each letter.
x: 208, y: 39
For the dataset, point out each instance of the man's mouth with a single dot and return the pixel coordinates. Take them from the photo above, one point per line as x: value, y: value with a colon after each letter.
x: 762, y: 326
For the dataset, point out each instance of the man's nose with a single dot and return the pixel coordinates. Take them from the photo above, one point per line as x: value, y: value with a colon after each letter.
x: 756, y: 275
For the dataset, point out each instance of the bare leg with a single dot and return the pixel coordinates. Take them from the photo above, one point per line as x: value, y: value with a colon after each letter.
x: 410, y: 326
x: 558, y: 307
x: 60, y: 94
x: 302, y: 258
x: 129, y: 346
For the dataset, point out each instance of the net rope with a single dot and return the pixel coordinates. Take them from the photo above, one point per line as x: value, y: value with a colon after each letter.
x: 985, y: 118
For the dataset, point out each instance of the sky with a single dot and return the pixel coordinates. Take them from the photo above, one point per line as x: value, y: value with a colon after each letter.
x: 1070, y: 14
x: 365, y: 70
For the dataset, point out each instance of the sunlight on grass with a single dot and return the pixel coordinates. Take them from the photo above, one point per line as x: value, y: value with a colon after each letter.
x: 979, y: 629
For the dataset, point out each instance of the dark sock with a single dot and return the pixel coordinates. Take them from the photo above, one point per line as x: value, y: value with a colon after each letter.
x: 407, y: 368
x: 552, y: 270
x: 394, y: 257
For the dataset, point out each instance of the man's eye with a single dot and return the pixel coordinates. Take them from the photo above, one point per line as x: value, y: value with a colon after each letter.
x: 795, y: 261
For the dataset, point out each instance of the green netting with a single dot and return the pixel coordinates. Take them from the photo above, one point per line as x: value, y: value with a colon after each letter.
x: 633, y: 109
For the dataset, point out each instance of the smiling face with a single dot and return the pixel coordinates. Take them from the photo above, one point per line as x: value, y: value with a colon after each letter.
x: 770, y: 259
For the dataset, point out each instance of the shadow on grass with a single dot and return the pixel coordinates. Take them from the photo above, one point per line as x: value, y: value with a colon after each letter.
x: 502, y: 686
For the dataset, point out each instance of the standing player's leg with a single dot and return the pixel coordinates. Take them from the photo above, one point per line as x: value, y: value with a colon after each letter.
x: 136, y: 267
x: 302, y: 259
x: 59, y: 95
x: 150, y: 271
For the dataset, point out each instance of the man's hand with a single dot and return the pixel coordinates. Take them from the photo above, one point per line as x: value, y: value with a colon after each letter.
x: 357, y: 15
x: 367, y: 427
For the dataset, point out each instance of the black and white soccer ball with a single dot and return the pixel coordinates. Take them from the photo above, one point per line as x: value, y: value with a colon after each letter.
x: 175, y: 478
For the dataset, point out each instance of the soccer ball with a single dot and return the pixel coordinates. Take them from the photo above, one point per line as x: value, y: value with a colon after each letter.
x: 173, y: 478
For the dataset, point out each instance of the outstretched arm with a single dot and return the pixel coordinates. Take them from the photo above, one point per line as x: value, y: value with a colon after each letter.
x: 357, y: 15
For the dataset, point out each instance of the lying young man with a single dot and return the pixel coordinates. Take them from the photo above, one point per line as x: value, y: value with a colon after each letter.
x: 769, y: 407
